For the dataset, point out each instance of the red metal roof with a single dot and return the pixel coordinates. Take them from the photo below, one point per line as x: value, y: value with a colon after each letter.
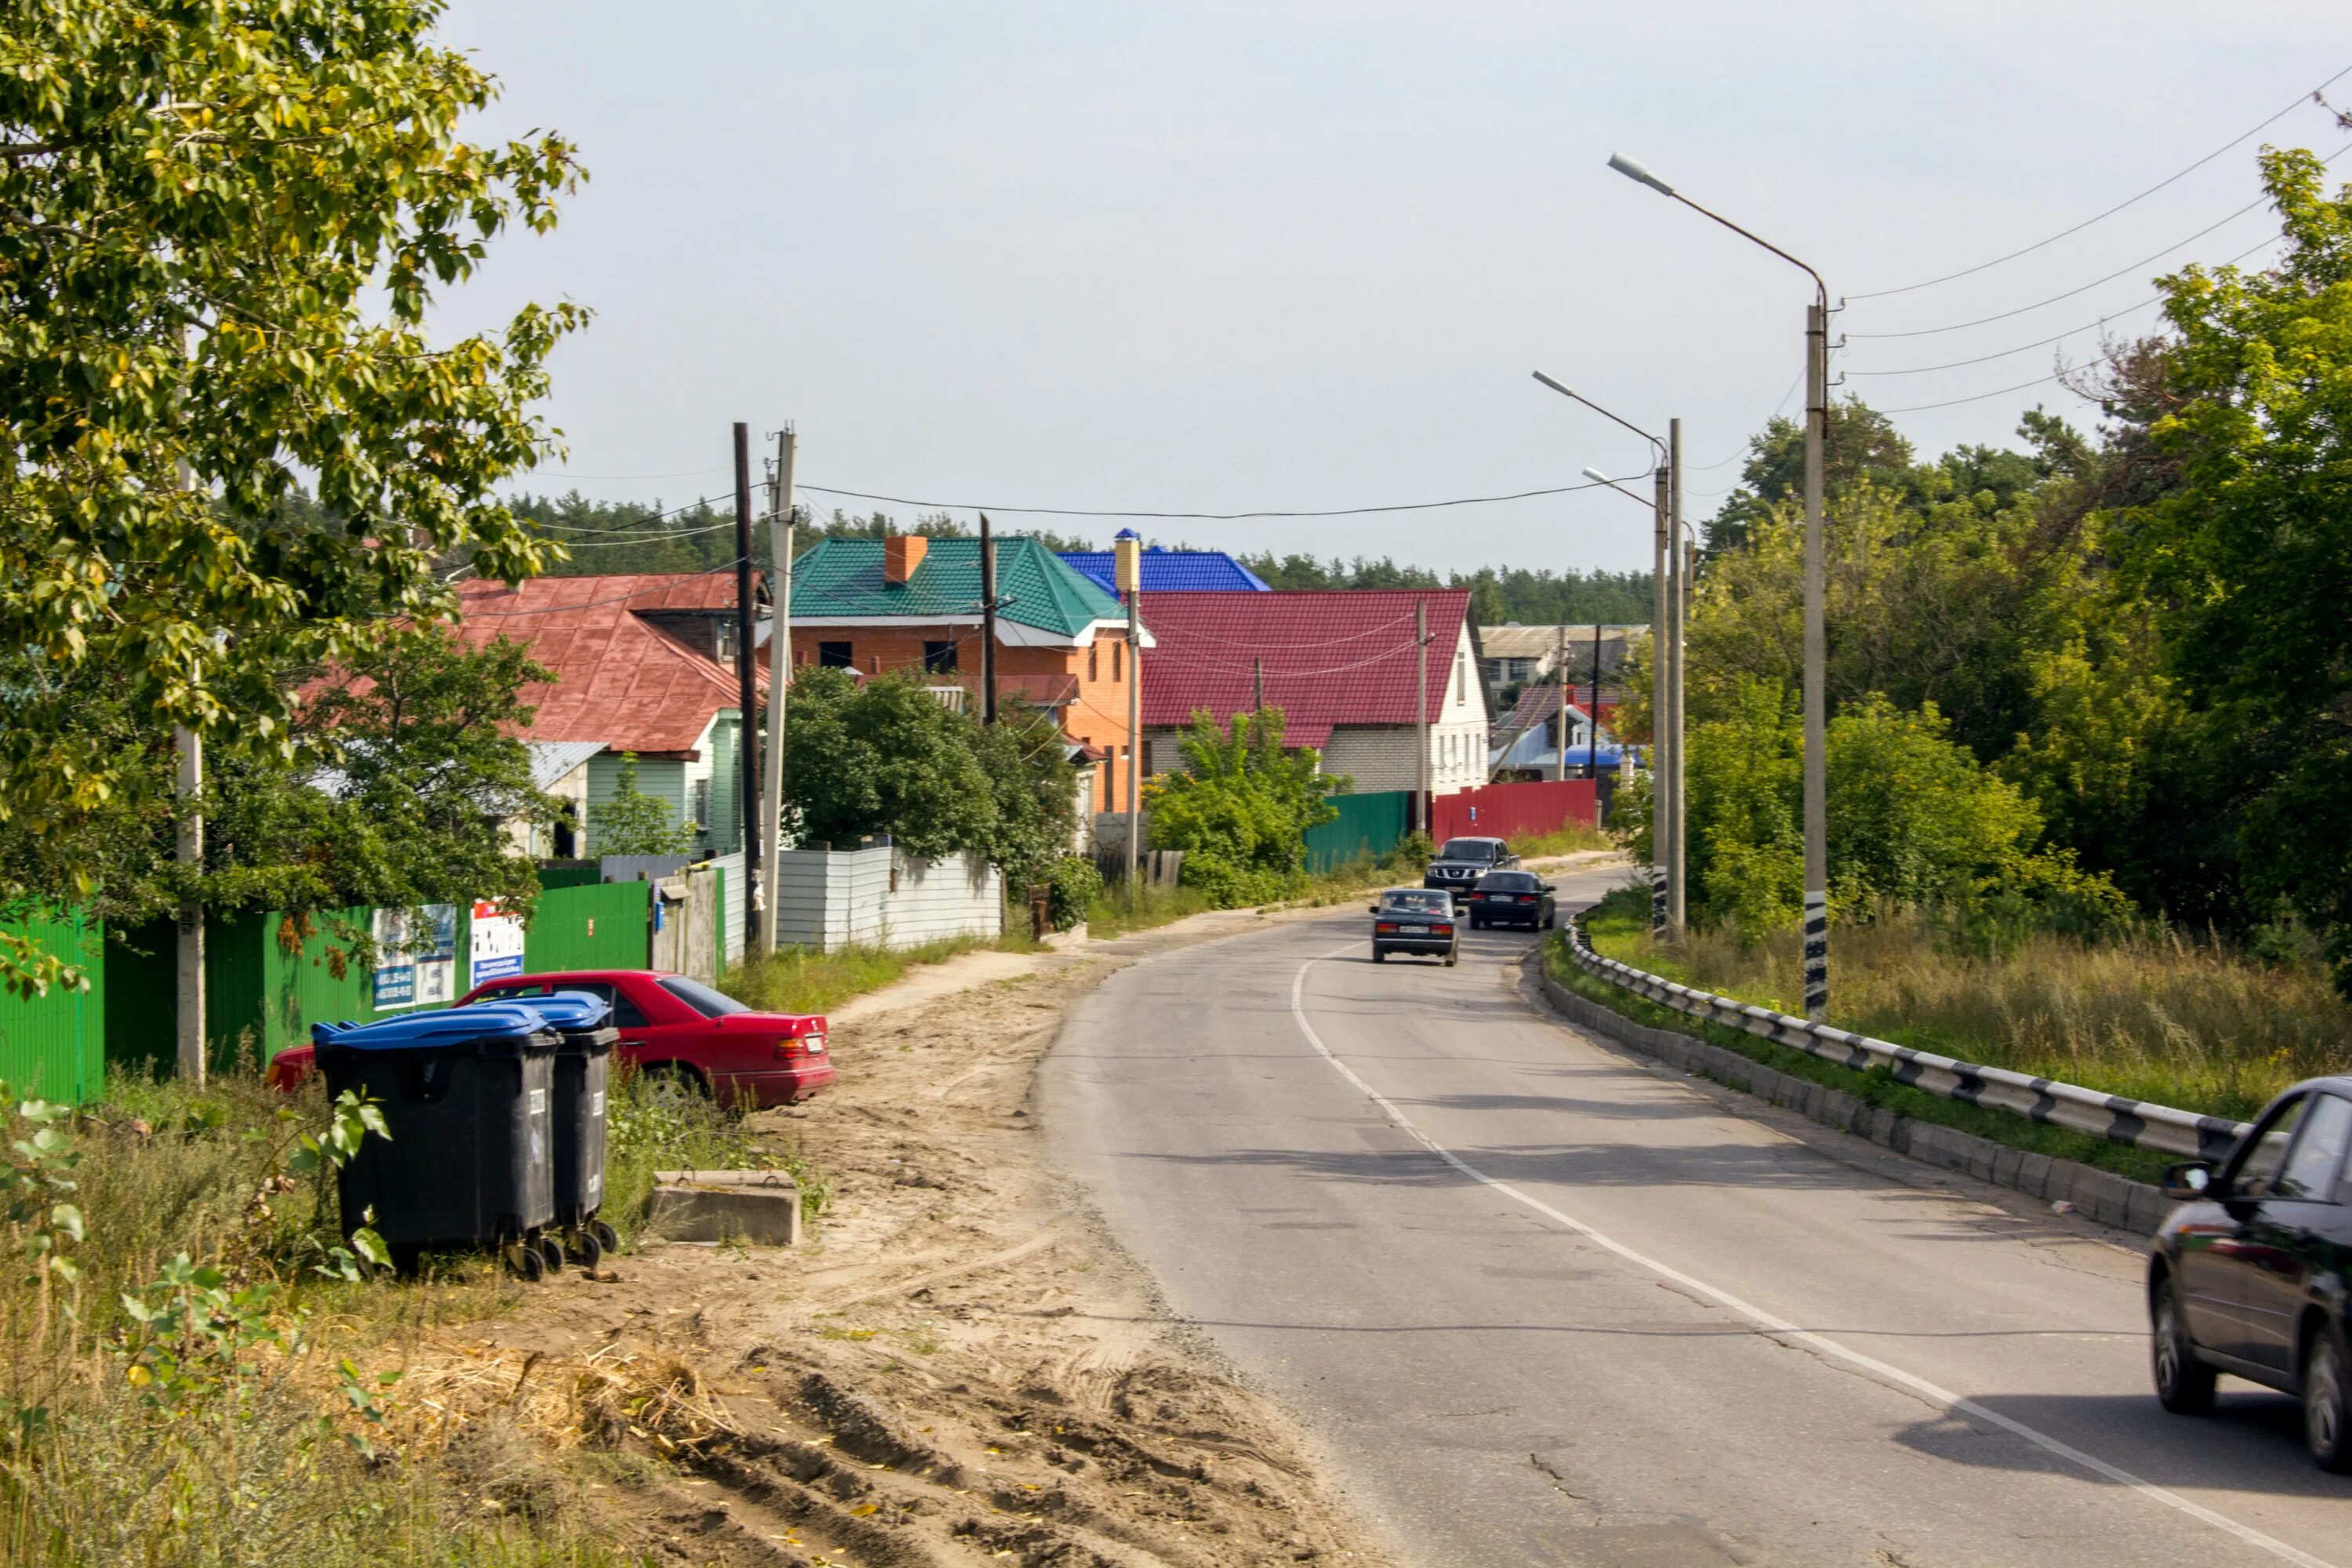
x: 1329, y: 657
x: 617, y: 679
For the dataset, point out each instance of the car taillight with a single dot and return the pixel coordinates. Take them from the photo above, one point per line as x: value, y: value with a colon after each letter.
x: 1441, y: 931
x: 1526, y: 898
x: 1384, y: 928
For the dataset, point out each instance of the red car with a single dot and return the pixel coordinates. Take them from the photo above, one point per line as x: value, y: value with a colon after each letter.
x: 689, y: 1039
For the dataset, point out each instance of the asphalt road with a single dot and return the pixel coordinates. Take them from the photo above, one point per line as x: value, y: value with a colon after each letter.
x: 1542, y: 1304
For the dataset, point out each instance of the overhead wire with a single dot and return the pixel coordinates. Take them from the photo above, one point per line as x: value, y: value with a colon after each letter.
x: 2293, y: 104
x: 2022, y: 348
x: 2120, y: 272
x: 1200, y: 516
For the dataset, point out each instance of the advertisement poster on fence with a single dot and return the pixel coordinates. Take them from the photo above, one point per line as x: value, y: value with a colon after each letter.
x: 494, y: 944
x: 415, y: 967
x: 396, y: 968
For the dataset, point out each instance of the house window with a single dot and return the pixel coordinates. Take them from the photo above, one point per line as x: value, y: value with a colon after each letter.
x: 940, y: 658
x: 1460, y: 678
x: 1114, y: 662
x: 701, y: 804
x: 834, y: 656
x: 722, y: 639
x: 1094, y: 662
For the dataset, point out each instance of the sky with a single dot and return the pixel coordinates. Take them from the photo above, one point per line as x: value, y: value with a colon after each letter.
x: 1297, y: 255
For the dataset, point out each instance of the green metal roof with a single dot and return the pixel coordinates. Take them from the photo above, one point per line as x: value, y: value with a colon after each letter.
x: 841, y: 580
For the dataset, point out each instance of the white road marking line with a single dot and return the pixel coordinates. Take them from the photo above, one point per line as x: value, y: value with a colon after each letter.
x: 1779, y: 1326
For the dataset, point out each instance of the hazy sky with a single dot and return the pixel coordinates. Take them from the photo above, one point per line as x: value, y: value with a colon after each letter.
x: 1288, y: 255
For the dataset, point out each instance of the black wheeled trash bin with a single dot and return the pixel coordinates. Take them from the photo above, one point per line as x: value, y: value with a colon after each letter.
x: 583, y: 1023
x: 468, y: 1096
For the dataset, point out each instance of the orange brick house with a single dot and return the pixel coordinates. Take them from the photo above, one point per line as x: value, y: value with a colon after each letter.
x: 913, y: 603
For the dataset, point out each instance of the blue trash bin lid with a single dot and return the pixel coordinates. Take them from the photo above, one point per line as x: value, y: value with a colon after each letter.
x: 567, y: 1010
x: 447, y: 1027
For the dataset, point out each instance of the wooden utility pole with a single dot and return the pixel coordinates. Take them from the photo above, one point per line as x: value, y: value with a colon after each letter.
x: 780, y: 504
x: 746, y: 684
x: 1420, y: 708
x: 987, y: 623
x: 1257, y: 680
x: 1560, y: 689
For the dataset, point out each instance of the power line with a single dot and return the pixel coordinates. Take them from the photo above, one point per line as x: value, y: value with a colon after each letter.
x: 2043, y: 343
x: 1199, y: 515
x: 2293, y: 104
x: 2021, y: 310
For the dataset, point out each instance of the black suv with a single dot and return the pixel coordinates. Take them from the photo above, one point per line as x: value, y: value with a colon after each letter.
x: 1461, y: 861
x: 2249, y: 1276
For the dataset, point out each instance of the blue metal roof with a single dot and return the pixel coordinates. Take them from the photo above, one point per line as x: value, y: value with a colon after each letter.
x: 1173, y: 570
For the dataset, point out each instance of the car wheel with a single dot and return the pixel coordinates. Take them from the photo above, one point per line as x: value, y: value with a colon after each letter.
x: 1379, y: 957
x: 1449, y: 960
x: 2184, y: 1385
x: 2327, y: 1401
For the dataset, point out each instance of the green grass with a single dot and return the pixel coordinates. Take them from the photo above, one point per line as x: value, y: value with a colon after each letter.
x: 1125, y: 907
x: 1876, y: 1087
x: 646, y: 1135
x: 2151, y: 1014
x: 799, y: 980
x: 1567, y: 841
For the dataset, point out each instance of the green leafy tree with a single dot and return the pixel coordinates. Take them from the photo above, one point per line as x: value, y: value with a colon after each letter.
x: 1241, y: 811
x: 1035, y: 789
x: 2249, y: 558
x: 634, y: 823
x: 225, y: 228
x: 883, y: 755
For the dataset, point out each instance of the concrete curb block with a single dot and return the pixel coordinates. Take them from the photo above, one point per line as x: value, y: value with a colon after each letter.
x: 2101, y: 1195
x: 761, y: 1208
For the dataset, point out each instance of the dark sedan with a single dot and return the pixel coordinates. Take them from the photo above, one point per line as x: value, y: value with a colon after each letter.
x: 1461, y: 861
x: 1413, y: 920
x: 1512, y: 898
x: 2250, y: 1275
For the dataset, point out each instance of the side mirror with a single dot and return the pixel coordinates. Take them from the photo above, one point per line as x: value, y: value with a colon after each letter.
x: 2188, y: 1182
x: 1547, y: 887
x: 1373, y: 910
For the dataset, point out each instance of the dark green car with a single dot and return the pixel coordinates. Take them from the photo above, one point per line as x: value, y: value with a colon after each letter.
x: 2250, y: 1275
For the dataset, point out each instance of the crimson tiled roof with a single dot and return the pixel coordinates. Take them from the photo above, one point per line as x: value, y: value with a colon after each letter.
x: 1329, y: 657
x: 617, y: 679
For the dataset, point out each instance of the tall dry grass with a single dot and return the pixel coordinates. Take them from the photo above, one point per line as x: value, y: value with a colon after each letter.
x: 190, y: 1444
x: 2153, y: 1014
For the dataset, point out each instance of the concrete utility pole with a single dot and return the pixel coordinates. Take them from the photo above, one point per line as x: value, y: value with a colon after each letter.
x: 1817, y: 867
x: 780, y: 504
x: 1421, y: 706
x: 1677, y: 818
x: 1559, y: 690
x: 189, y: 970
x: 1817, y: 876
x: 1660, y: 743
x: 1128, y: 563
x: 746, y: 683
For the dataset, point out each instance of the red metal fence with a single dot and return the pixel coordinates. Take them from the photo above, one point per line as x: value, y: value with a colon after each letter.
x: 1514, y: 810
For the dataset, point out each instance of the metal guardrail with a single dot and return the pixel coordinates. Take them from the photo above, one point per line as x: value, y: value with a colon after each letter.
x: 2070, y: 1105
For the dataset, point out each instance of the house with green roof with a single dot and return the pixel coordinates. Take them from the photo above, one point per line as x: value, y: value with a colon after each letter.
x: 911, y: 604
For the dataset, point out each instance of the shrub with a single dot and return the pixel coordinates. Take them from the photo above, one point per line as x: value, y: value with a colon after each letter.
x: 1242, y: 812
x: 1072, y: 885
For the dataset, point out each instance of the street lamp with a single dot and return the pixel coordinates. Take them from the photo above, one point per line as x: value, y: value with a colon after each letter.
x: 1817, y: 879
x: 1669, y: 901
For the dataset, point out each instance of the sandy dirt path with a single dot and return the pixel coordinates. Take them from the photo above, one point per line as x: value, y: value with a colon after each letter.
x: 960, y: 1367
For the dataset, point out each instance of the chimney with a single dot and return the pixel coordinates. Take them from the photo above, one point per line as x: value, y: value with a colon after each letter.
x: 901, y: 553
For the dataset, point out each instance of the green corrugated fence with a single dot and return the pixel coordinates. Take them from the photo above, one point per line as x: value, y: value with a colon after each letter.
x: 53, y: 1045
x: 266, y: 985
x: 1368, y: 827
